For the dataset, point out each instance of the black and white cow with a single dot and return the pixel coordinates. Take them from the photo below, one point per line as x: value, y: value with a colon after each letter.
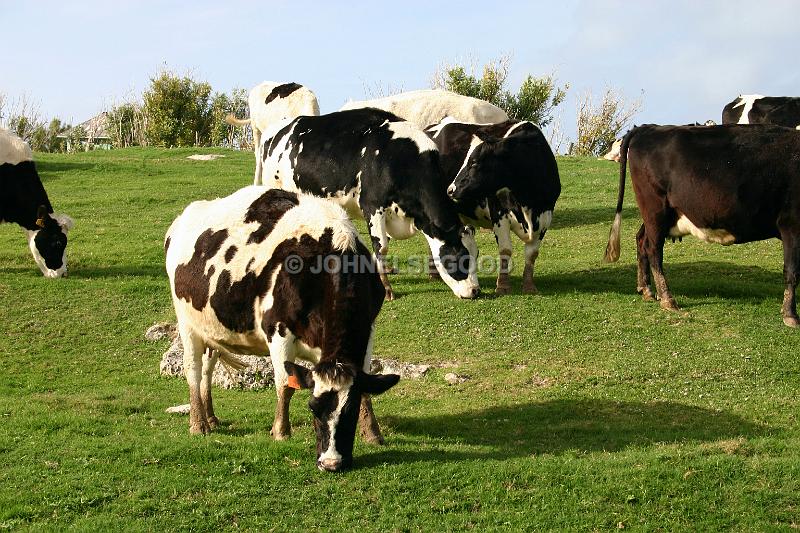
x: 24, y: 201
x: 504, y: 177
x: 266, y: 271
x: 271, y: 103
x: 383, y: 169
x: 759, y: 109
x: 725, y: 184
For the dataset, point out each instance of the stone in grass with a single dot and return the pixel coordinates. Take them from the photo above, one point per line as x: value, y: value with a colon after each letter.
x: 161, y: 330
x: 454, y: 379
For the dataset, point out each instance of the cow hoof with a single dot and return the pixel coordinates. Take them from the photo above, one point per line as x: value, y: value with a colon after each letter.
x: 529, y: 289
x: 389, y: 295
x: 280, y: 435
x: 502, y: 290
x: 434, y: 275
x: 647, y: 294
x: 791, y: 321
x: 669, y: 304
x: 200, y: 429
x: 373, y: 438
x: 213, y: 422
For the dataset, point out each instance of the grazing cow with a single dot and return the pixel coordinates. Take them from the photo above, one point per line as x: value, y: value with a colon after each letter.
x: 724, y: 184
x: 502, y: 176
x: 759, y: 109
x: 431, y: 106
x: 271, y: 104
x: 383, y: 169
x: 24, y: 201
x: 265, y: 271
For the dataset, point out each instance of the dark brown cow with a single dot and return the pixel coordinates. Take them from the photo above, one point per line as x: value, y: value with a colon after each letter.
x: 725, y: 184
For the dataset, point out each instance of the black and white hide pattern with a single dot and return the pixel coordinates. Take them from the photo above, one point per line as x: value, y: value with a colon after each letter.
x: 245, y: 278
x: 504, y: 177
x: 24, y: 201
x: 759, y: 109
x: 383, y: 169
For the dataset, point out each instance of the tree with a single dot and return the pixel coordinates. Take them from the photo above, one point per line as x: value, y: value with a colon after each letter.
x: 177, y: 111
x: 125, y: 124
x: 535, y: 100
x: 600, y: 124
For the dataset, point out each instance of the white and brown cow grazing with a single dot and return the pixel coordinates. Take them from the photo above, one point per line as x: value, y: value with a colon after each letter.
x: 759, y: 109
x: 504, y: 177
x: 385, y: 170
x: 725, y: 184
x: 270, y: 272
x: 272, y: 103
x: 430, y: 106
x: 25, y: 202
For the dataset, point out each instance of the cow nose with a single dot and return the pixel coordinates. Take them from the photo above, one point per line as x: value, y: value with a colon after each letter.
x: 476, y: 291
x: 451, y: 190
x: 329, y: 465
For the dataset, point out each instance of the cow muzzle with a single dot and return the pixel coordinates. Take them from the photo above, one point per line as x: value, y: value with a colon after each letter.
x: 330, y: 465
x: 451, y: 190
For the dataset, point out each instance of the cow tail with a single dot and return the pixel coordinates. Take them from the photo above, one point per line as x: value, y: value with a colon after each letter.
x: 233, y: 121
x: 230, y: 362
x: 612, y: 249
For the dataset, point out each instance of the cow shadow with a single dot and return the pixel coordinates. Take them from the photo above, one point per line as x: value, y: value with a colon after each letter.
x: 570, y: 217
x: 557, y: 427
x: 47, y: 167
x: 114, y: 271
x: 696, y: 279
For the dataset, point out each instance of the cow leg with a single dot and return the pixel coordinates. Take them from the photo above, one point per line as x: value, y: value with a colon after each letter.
x: 655, y: 254
x: 643, y: 268
x: 502, y: 234
x: 368, y: 425
x: 210, y: 358
x: 257, y: 179
x: 280, y: 350
x: 376, y: 224
x: 791, y: 263
x: 531, y: 254
x: 432, y: 272
x: 193, y: 348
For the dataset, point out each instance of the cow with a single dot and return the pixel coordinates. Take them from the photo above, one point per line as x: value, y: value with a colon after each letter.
x: 25, y: 202
x: 613, y: 153
x: 504, y: 177
x: 384, y: 169
x: 430, y: 106
x: 271, y: 103
x: 270, y: 272
x: 725, y: 184
x: 759, y: 109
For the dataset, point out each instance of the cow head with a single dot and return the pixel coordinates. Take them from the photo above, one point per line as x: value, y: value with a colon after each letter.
x: 482, y: 169
x: 336, y: 391
x: 455, y: 258
x: 48, y: 244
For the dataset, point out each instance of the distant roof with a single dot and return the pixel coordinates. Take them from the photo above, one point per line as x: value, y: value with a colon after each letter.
x: 95, y: 127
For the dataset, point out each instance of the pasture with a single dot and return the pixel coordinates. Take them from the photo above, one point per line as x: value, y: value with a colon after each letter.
x: 585, y: 408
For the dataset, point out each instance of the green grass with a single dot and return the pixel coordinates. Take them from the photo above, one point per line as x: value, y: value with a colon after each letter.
x: 586, y: 408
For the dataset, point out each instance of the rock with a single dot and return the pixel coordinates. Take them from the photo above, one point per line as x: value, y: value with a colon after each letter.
x: 204, y: 157
x: 454, y: 379
x: 405, y: 370
x: 161, y: 330
x: 178, y: 409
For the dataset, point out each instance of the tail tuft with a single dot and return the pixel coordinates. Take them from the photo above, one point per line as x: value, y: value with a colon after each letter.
x: 612, y: 249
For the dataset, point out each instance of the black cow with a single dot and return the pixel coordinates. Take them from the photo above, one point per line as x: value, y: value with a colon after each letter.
x: 24, y: 202
x: 269, y: 272
x: 502, y: 176
x: 725, y: 184
x: 758, y: 109
x: 384, y: 169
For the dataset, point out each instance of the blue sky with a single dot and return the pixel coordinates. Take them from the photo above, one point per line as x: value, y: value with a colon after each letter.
x: 685, y: 59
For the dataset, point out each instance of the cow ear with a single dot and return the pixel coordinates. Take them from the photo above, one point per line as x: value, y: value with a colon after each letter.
x: 299, y: 376
x: 41, y: 216
x: 375, y: 383
x: 65, y: 221
x: 487, y: 137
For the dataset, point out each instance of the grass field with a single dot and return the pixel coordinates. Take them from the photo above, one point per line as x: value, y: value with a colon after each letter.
x: 586, y: 408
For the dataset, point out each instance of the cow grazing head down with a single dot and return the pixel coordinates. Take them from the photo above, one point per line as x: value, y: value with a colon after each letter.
x: 336, y: 391
x: 456, y: 261
x: 48, y: 244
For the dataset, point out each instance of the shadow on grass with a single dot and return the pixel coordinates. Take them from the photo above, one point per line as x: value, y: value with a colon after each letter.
x: 570, y: 217
x: 696, y: 279
x: 62, y: 166
x: 560, y: 426
x: 89, y: 272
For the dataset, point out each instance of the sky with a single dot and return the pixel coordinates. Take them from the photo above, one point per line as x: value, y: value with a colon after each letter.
x: 684, y: 59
